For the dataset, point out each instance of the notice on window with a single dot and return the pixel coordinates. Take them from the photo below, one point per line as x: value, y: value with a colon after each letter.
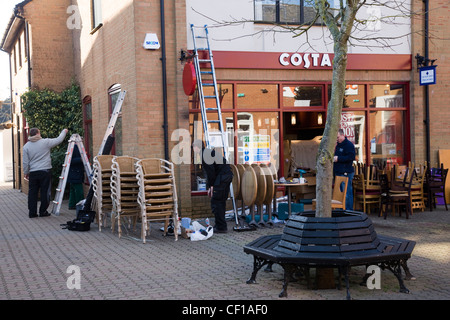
x: 256, y: 148
x: 348, y: 125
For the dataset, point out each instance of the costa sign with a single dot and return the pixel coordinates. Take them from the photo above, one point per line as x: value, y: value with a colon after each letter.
x: 305, y: 60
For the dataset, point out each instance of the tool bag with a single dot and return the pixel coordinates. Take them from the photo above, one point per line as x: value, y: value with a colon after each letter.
x: 81, y: 223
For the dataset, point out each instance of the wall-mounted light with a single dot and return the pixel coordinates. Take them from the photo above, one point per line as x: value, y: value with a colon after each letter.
x: 319, y: 119
x: 293, y: 119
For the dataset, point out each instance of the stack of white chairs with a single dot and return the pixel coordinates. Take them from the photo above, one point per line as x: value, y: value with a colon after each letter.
x: 124, y: 192
x: 157, y: 194
x: 101, y: 185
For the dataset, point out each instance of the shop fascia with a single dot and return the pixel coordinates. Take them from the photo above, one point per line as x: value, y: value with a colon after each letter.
x: 307, y: 60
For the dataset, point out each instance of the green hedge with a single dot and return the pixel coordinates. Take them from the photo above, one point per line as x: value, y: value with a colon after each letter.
x: 51, y: 112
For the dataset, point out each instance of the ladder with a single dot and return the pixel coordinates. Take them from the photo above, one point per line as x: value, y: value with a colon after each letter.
x: 75, y: 139
x: 112, y: 121
x: 209, y: 73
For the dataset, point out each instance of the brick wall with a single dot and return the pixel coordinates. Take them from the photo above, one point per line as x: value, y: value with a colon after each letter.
x: 51, y: 44
x: 439, y: 28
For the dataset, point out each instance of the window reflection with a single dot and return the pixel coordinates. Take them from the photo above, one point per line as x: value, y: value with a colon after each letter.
x: 302, y: 96
x: 386, y: 132
x: 386, y: 96
x: 353, y: 124
x: 257, y: 96
x: 355, y: 96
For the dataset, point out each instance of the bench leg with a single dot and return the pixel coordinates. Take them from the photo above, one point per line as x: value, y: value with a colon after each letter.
x: 258, y: 263
x: 408, y: 275
x: 395, y: 267
x: 269, y: 267
x: 347, y: 282
x: 288, y: 274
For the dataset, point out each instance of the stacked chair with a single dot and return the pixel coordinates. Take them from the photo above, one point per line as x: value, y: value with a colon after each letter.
x: 157, y: 197
x: 124, y: 192
x: 366, y: 188
x: 435, y: 185
x: 101, y: 185
x: 417, y: 187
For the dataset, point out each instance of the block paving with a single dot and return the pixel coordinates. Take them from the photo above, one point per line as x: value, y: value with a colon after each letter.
x: 35, y: 255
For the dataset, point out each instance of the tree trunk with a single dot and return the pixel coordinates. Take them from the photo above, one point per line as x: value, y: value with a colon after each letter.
x: 325, y: 155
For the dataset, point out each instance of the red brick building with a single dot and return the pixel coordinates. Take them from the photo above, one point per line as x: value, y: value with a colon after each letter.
x: 266, y: 79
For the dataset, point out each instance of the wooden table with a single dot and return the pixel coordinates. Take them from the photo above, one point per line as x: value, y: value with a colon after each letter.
x: 288, y: 187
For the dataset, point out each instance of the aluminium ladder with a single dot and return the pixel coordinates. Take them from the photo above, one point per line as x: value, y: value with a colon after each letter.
x: 112, y: 121
x: 209, y: 72
x: 75, y: 139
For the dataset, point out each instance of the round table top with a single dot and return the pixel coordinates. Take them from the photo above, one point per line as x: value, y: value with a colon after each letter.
x: 261, y: 185
x: 236, y: 180
x: 249, y: 186
x: 270, y: 184
x: 241, y: 169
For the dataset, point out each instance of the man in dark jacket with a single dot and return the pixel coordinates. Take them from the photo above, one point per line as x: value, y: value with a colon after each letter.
x: 344, y: 155
x: 218, y: 179
x: 75, y: 178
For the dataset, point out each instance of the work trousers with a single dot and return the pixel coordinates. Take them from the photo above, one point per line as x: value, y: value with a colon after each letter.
x: 218, y: 203
x: 39, y: 181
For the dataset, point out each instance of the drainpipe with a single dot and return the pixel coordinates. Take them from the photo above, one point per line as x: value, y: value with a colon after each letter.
x: 164, y: 81
x: 427, y: 97
x: 12, y: 117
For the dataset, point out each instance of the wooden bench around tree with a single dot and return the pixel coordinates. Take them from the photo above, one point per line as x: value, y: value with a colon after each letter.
x: 345, y: 240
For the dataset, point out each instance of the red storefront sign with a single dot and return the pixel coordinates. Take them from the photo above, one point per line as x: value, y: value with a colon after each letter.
x: 308, y: 61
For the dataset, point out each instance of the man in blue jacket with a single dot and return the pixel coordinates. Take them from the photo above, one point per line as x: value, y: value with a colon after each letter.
x: 344, y: 154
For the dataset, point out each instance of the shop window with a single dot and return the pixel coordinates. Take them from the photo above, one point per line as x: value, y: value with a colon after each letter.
x: 302, y: 96
x: 257, y: 96
x: 113, y: 94
x: 198, y: 177
x: 386, y: 96
x: 387, y: 145
x: 257, y: 137
x: 87, y: 122
x: 353, y: 124
x: 355, y: 96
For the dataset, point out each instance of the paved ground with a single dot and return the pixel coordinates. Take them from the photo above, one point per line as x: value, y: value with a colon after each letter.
x: 35, y: 255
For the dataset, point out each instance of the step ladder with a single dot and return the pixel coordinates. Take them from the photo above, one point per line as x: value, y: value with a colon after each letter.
x: 75, y: 140
x: 206, y: 77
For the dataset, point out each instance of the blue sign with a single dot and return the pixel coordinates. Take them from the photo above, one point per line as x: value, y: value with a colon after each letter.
x: 427, y: 75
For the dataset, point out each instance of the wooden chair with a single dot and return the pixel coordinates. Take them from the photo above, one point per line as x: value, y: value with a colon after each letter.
x: 157, y: 194
x: 417, y: 187
x: 367, y: 189
x: 124, y: 192
x: 435, y: 185
x: 101, y: 184
x: 339, y: 193
x: 400, y: 191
